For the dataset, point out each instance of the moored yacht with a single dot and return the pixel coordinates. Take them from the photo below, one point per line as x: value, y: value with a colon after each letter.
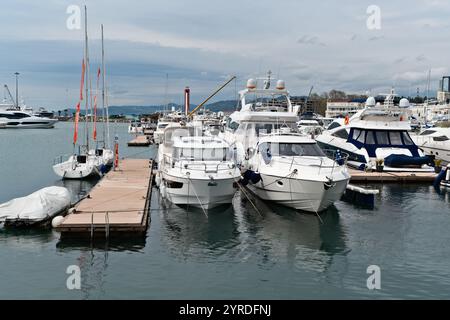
x: 377, y: 136
x: 196, y: 170
x: 278, y: 163
x: 23, y: 120
x: 435, y: 142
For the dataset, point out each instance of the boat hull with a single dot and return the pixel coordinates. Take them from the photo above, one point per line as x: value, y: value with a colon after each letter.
x: 73, y: 170
x: 306, y: 195
x: 201, y: 193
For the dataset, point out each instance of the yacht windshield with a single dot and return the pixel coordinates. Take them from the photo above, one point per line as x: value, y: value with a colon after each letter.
x: 202, y: 154
x: 291, y: 149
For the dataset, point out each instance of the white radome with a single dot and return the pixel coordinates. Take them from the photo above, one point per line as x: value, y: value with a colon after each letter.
x: 370, y: 102
x: 281, y: 85
x: 251, y: 84
x: 404, y: 103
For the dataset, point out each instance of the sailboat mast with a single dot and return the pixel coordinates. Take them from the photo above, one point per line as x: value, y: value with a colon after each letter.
x: 103, y: 90
x: 104, y: 95
x: 86, y: 59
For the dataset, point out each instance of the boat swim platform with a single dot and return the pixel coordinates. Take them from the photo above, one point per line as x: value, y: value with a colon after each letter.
x: 118, y: 205
x: 406, y: 177
x: 140, y: 141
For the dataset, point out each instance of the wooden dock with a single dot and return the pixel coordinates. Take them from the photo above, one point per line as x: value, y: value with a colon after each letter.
x: 140, y: 141
x: 119, y: 203
x: 362, y: 176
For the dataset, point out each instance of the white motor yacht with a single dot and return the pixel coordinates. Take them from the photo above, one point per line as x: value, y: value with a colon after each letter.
x: 278, y: 163
x: 377, y: 137
x: 24, y: 120
x: 435, y: 142
x: 196, y: 170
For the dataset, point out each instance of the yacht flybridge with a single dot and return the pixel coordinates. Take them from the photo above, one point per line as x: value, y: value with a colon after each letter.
x: 196, y: 170
x: 278, y: 163
x: 378, y: 134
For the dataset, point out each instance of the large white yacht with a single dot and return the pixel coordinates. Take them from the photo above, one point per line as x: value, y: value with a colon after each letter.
x: 196, y: 170
x: 278, y: 163
x: 13, y: 119
x: 378, y: 134
x: 435, y: 142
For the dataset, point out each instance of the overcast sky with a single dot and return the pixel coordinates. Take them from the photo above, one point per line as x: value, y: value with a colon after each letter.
x: 199, y: 43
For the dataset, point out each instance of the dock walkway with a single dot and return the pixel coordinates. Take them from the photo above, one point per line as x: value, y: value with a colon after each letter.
x: 140, y: 141
x: 119, y: 203
x: 362, y: 176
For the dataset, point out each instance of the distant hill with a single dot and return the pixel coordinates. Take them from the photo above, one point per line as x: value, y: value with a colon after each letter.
x: 226, y: 105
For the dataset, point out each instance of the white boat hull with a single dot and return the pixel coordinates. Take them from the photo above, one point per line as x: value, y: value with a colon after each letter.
x: 47, y: 124
x: 305, y: 195
x: 71, y: 169
x: 201, y: 193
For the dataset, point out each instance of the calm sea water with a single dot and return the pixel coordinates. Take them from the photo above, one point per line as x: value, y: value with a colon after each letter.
x: 236, y: 253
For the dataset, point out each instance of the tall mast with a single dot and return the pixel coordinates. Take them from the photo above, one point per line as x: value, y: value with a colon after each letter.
x: 86, y: 59
x: 104, y: 96
x: 103, y: 90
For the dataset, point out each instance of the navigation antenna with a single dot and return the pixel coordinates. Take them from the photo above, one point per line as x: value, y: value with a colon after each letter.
x: 267, y: 81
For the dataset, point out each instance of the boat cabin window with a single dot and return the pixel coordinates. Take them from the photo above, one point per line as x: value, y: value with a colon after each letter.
x: 380, y: 137
x: 441, y: 138
x: 15, y: 115
x: 333, y: 125
x: 427, y: 132
x: 395, y: 137
x: 201, y: 154
x: 271, y: 149
x: 407, y: 139
x: 162, y: 125
x: 370, y: 138
x: 341, y: 134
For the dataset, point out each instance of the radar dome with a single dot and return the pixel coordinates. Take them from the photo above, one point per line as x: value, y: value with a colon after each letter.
x: 281, y: 85
x: 251, y: 84
x: 370, y: 102
x: 404, y: 103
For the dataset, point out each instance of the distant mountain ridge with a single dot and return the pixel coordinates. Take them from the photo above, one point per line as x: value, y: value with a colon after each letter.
x: 226, y: 105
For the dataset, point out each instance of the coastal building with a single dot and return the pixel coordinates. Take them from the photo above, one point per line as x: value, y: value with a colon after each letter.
x: 339, y: 108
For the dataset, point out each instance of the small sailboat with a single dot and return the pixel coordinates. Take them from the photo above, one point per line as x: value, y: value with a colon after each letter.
x: 84, y: 162
x: 104, y: 155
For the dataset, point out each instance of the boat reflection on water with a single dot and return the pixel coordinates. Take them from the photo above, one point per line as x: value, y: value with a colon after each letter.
x: 240, y: 234
x: 77, y: 188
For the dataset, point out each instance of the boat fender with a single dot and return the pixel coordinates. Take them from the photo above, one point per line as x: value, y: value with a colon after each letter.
x: 162, y: 190
x: 255, y: 177
x: 157, y: 180
x: 339, y: 158
x: 56, y: 222
x: 441, y: 176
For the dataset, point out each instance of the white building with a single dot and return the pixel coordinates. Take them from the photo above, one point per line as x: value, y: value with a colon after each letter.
x: 342, y: 108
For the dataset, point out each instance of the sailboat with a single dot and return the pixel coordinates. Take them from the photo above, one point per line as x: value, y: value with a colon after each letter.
x: 104, y: 154
x: 83, y: 162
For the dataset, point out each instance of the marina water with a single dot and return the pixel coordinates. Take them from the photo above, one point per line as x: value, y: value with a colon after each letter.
x: 235, y: 252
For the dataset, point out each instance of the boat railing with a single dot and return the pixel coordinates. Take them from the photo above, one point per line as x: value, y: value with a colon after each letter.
x: 60, y: 159
x: 339, y: 159
x: 195, y: 165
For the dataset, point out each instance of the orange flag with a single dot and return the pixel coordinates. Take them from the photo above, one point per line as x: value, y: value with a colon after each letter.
x: 95, y: 106
x: 77, y: 117
x: 83, y: 71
